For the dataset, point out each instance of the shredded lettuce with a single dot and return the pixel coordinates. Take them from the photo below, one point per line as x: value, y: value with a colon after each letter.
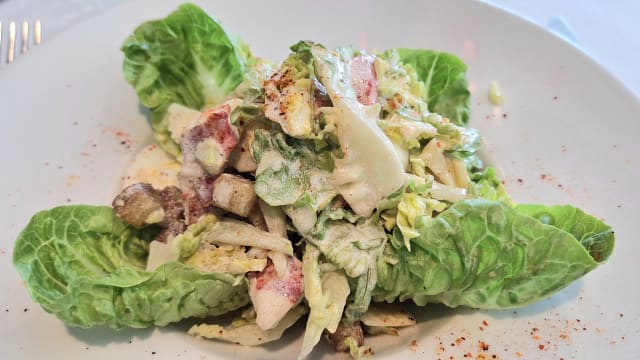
x: 244, y: 330
x: 444, y: 79
x: 326, y: 293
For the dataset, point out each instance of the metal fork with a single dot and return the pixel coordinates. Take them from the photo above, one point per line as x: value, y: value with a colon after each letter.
x: 24, y: 38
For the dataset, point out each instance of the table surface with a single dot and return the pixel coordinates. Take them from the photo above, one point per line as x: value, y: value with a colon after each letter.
x: 605, y: 30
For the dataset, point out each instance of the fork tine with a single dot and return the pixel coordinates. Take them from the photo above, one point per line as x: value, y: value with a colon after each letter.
x: 0, y: 40
x: 25, y: 37
x: 12, y: 42
x: 37, y: 32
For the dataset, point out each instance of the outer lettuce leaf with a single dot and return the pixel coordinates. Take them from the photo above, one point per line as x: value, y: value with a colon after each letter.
x: 185, y: 58
x: 486, y: 254
x: 597, y: 237
x: 84, y: 265
x: 444, y: 79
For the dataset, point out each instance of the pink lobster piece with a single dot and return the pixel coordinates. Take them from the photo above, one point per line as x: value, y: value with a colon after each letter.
x: 272, y: 295
x: 206, y: 148
x: 363, y: 79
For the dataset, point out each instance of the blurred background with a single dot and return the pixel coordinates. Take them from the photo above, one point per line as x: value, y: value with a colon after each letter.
x: 607, y: 30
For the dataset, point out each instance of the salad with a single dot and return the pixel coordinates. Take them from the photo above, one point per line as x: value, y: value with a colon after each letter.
x: 330, y: 188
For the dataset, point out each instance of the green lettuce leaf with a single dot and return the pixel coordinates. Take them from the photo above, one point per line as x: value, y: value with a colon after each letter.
x: 352, y: 244
x: 84, y: 265
x: 597, y: 237
x: 326, y: 293
x: 486, y: 185
x: 486, y: 254
x: 293, y: 173
x: 185, y: 58
x: 445, y: 82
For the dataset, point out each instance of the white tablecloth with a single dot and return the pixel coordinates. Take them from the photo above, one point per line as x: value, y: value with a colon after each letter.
x: 607, y: 30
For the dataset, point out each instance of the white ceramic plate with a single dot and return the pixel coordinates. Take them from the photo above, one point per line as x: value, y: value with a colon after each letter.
x: 567, y: 134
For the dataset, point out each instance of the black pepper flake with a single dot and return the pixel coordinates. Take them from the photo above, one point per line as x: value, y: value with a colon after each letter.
x: 153, y: 353
x: 25, y: 310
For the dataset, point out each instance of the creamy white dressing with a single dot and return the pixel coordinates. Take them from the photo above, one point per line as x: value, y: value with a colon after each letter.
x: 303, y: 218
x: 270, y: 160
x: 434, y: 158
x: 160, y: 253
x: 153, y: 166
x: 448, y: 193
x: 403, y: 154
x: 274, y: 217
x: 180, y: 118
x: 371, y: 168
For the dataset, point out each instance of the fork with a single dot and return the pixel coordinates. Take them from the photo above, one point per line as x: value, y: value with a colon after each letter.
x: 24, y: 38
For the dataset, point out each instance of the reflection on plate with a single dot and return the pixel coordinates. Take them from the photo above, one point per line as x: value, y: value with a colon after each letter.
x: 566, y: 134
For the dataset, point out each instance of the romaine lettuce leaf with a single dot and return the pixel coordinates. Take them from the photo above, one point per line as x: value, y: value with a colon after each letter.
x: 486, y: 254
x: 87, y: 267
x: 185, y: 58
x: 293, y: 173
x: 444, y: 79
x: 594, y: 235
